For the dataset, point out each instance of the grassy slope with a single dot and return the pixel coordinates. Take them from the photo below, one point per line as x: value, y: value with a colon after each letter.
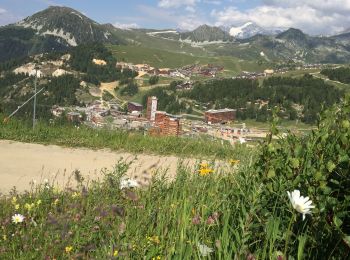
x: 165, y: 59
x: 117, y: 140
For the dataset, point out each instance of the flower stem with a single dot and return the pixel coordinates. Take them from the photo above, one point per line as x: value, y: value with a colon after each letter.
x: 288, y: 235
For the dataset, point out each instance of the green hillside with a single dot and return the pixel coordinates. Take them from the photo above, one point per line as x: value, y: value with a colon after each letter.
x: 166, y: 59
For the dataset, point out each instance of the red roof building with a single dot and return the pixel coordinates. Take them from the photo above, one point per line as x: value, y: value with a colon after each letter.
x: 220, y: 116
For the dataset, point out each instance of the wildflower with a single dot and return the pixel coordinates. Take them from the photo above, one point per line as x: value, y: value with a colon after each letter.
x: 14, y: 200
x: 234, y: 162
x: 242, y: 140
x: 17, y: 218
x: 38, y: 202
x: 68, y: 249
x: 154, y: 239
x: 28, y: 206
x: 4, y: 237
x: 300, y: 203
x: 56, y: 202
x: 196, y: 220
x: 205, y: 171
x: 128, y: 183
x: 115, y: 253
x: 17, y: 206
x: 75, y: 195
x: 156, y: 258
x: 56, y: 190
x: 210, y: 220
x: 204, y: 250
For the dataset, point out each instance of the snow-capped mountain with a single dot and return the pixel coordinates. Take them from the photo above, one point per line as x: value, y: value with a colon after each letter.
x: 251, y: 29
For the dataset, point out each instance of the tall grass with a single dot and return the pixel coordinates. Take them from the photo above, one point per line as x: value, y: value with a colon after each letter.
x: 70, y: 136
x: 166, y: 219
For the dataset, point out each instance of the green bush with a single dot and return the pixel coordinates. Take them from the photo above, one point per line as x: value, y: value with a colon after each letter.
x: 318, y: 165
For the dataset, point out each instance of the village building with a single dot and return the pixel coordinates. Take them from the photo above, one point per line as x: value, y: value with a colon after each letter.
x: 220, y: 116
x: 166, y: 125
x: 152, y: 103
x: 133, y: 106
x: 74, y: 117
x: 99, y: 62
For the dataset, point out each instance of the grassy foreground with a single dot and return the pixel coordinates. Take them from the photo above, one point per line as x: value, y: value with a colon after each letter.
x: 70, y: 136
x: 240, y: 213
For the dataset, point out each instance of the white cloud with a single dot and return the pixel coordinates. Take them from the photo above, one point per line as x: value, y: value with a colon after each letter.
x: 7, y: 17
x: 126, y: 25
x: 315, y: 17
x: 190, y: 9
x: 212, y: 2
x: 177, y: 3
x: 180, y: 19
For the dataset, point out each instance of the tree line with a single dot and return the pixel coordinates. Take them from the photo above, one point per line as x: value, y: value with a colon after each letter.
x: 338, y: 74
x: 255, y: 101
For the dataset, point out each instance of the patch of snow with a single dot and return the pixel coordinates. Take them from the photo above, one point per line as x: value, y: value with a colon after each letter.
x: 162, y: 32
x: 78, y: 15
x: 64, y: 35
x: 201, y: 44
x: 107, y: 34
x: 238, y: 31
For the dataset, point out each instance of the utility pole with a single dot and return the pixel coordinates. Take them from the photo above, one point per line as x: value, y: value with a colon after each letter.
x: 35, y: 83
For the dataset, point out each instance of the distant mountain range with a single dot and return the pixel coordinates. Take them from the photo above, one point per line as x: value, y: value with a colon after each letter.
x: 60, y: 28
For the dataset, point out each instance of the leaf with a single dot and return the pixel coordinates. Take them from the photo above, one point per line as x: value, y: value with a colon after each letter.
x: 330, y: 166
x: 347, y: 240
x: 271, y: 173
x: 295, y: 163
x: 318, y: 176
x: 337, y: 221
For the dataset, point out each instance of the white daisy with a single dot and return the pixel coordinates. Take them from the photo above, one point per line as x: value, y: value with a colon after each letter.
x: 129, y: 183
x: 204, y: 250
x: 300, y: 203
x: 17, y: 218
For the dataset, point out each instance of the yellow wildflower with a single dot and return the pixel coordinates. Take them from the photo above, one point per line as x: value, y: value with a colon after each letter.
x: 38, y: 202
x: 234, y: 162
x: 75, y: 195
x: 68, y: 249
x: 55, y: 202
x: 154, y: 239
x: 156, y: 258
x: 28, y: 206
x: 205, y: 171
x: 4, y: 237
x: 115, y: 253
x: 14, y: 200
x: 17, y: 206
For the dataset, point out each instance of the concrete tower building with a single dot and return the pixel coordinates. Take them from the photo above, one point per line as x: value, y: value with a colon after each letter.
x: 152, y: 103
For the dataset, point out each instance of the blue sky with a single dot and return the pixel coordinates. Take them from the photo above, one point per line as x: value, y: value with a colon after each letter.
x: 312, y: 16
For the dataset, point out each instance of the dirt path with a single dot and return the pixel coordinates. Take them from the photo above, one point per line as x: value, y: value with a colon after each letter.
x: 21, y: 163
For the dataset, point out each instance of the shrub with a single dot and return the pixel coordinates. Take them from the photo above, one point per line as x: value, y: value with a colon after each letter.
x: 317, y: 165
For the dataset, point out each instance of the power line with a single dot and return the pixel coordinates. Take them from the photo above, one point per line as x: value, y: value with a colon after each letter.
x: 19, y: 107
